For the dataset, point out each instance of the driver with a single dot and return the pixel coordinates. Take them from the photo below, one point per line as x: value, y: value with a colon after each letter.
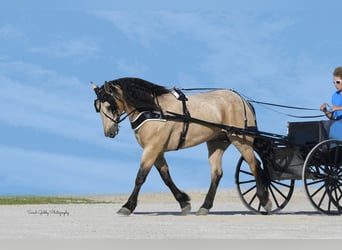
x: 335, y: 112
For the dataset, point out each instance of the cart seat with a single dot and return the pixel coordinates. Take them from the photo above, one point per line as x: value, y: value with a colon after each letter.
x: 308, y: 133
x: 313, y: 132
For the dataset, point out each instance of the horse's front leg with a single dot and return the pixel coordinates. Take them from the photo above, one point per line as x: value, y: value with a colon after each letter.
x: 131, y: 204
x: 180, y: 196
x: 147, y: 161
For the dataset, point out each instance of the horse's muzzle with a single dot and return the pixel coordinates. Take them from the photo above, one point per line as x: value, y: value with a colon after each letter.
x: 112, y: 132
x: 110, y: 135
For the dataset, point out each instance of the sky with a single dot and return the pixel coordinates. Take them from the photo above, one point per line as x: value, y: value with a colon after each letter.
x: 51, y: 139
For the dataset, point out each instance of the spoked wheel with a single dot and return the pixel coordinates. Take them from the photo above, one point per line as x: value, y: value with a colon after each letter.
x: 280, y: 191
x: 322, y: 177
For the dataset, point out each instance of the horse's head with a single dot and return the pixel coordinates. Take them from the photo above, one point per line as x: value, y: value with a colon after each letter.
x: 109, y: 107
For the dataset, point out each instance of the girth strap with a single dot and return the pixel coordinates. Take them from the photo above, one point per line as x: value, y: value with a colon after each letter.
x: 186, y: 114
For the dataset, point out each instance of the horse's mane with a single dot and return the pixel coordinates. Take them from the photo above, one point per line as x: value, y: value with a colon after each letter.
x: 138, y: 93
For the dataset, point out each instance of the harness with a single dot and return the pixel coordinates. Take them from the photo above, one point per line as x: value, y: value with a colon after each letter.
x: 245, y: 110
x: 157, y: 116
x: 103, y: 96
x: 144, y: 117
x: 186, y: 115
x: 187, y: 119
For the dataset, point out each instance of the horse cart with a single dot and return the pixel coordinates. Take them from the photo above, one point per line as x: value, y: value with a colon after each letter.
x: 306, y: 154
x: 166, y: 120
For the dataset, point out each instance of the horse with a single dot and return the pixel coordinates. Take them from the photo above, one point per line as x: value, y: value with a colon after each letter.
x: 167, y: 120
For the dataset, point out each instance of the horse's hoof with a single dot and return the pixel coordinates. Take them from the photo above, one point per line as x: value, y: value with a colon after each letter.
x: 186, y: 210
x: 202, y: 211
x: 124, y: 211
x: 268, y: 206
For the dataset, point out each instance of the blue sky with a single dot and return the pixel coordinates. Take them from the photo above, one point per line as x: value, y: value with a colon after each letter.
x: 51, y: 140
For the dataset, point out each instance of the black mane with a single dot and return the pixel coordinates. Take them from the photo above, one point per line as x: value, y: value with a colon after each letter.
x: 139, y: 93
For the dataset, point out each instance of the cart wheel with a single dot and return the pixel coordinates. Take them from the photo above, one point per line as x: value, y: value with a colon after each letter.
x: 280, y: 191
x: 322, y: 177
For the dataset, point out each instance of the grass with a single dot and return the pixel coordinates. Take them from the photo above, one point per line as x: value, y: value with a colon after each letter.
x: 32, y: 200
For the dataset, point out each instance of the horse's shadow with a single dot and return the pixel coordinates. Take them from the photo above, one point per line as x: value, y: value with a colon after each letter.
x: 169, y: 213
x: 173, y: 213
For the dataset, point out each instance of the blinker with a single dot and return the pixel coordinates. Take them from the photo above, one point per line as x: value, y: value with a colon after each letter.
x: 104, y: 96
x: 97, y: 107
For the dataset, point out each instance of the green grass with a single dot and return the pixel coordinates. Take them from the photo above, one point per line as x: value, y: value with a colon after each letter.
x: 31, y: 200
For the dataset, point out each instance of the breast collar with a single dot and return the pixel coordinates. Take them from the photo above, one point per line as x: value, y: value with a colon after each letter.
x: 157, y: 116
x: 144, y: 117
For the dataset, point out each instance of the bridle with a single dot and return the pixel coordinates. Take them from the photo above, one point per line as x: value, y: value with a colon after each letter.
x: 103, y: 96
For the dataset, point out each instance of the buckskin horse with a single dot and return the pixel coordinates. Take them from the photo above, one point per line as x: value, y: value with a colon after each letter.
x: 166, y: 120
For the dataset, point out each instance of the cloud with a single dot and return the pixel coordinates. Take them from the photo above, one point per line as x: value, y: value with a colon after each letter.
x: 131, y: 68
x: 82, y: 47
x: 251, y: 52
x: 230, y: 40
x: 33, y: 97
x: 144, y: 26
x: 10, y: 32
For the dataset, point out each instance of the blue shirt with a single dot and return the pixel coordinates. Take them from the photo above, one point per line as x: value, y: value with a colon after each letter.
x: 336, y: 100
x: 335, y: 131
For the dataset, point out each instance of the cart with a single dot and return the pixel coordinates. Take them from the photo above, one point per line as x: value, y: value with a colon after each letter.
x: 306, y: 154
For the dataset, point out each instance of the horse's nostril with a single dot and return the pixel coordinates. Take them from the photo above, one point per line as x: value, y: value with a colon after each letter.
x: 111, y: 134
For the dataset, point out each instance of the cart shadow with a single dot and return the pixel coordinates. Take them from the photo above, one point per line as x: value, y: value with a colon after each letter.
x: 300, y: 213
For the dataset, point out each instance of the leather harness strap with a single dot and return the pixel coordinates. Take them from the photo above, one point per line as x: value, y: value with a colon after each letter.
x: 186, y: 114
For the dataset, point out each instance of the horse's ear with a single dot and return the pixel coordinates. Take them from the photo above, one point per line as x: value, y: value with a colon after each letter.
x: 95, y: 88
x: 94, y: 85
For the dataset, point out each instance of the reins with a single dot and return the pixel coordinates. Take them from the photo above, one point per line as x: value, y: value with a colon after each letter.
x: 287, y: 107
x: 267, y: 104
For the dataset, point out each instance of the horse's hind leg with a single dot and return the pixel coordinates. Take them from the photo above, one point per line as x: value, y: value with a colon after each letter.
x: 216, y: 149
x: 180, y: 196
x: 244, y: 145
